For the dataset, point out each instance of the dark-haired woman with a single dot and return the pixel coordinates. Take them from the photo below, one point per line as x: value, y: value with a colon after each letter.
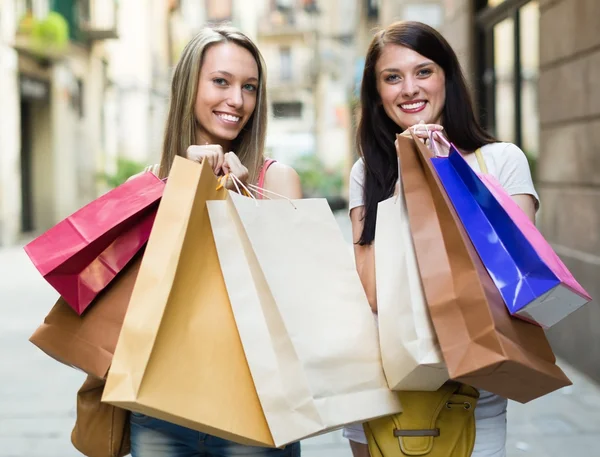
x: 413, y: 80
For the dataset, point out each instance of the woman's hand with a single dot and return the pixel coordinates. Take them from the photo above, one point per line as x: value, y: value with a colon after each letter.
x: 211, y: 152
x: 232, y: 165
x: 422, y: 131
x: 220, y: 162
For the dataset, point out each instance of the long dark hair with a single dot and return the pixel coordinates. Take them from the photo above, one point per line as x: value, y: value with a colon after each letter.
x: 376, y: 131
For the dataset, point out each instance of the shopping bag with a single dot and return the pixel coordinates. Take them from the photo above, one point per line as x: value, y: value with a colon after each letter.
x: 83, y: 253
x: 179, y: 357
x: 534, y: 283
x: 88, y: 342
x: 482, y: 344
x: 411, y: 355
x: 308, y: 333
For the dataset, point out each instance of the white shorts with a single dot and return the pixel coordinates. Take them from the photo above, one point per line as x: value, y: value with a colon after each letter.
x: 490, y: 427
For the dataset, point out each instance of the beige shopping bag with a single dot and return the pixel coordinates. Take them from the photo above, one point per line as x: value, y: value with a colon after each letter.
x: 411, y: 355
x: 307, y: 329
x: 179, y: 356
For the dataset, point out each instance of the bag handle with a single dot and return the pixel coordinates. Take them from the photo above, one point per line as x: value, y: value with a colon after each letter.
x: 434, y: 136
x: 152, y: 168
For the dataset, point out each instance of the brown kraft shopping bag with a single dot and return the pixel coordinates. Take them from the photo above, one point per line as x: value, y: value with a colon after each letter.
x: 179, y: 357
x: 482, y: 345
x: 87, y: 342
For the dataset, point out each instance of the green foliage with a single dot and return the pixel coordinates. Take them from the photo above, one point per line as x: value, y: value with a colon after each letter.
x: 52, y: 31
x: 125, y: 169
x: 317, y: 181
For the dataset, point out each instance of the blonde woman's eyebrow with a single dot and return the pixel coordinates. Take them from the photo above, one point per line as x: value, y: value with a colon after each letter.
x: 226, y: 73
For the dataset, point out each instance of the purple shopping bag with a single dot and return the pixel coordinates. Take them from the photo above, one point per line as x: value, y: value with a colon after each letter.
x: 83, y: 253
x: 534, y: 283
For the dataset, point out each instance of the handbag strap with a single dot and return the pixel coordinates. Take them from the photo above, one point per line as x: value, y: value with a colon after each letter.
x: 481, y: 161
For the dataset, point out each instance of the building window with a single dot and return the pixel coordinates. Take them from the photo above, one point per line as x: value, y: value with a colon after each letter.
x: 38, y: 9
x: 284, y: 5
x: 285, y: 63
x: 508, y: 64
x: 372, y: 9
x: 287, y: 110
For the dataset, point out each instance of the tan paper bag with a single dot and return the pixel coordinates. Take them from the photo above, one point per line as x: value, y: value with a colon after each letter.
x: 307, y: 329
x: 482, y: 344
x: 411, y: 355
x: 179, y: 357
x: 87, y: 342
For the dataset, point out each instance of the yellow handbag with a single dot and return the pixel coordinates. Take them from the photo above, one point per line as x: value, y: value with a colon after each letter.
x: 433, y: 424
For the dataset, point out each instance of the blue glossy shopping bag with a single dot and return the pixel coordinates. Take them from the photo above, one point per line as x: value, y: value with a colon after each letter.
x: 534, y: 283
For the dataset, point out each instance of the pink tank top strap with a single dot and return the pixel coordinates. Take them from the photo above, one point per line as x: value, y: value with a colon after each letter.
x: 263, y: 172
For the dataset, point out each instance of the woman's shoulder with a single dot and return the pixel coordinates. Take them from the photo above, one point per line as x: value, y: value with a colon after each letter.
x: 277, y: 168
x: 505, y: 156
x: 502, y: 151
x: 283, y: 179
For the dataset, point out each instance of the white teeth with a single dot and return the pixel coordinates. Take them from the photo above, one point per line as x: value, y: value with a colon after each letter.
x: 412, y: 105
x: 229, y: 117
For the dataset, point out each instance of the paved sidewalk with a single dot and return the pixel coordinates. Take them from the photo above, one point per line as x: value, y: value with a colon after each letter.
x: 37, y: 394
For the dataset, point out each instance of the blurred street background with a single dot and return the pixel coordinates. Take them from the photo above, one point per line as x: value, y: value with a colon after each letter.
x: 84, y: 91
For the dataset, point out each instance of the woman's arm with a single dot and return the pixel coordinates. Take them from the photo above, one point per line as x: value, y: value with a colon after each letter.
x: 283, y: 180
x: 527, y: 203
x: 364, y: 257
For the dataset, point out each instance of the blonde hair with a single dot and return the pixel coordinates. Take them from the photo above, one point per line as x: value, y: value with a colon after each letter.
x: 180, y: 130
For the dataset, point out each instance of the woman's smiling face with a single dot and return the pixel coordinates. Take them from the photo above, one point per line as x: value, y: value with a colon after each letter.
x: 412, y: 87
x: 227, y: 93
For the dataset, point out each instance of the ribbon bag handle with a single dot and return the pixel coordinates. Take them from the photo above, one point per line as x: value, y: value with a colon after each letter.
x: 434, y: 137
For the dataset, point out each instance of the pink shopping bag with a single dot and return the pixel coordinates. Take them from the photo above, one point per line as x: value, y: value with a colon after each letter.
x: 83, y: 253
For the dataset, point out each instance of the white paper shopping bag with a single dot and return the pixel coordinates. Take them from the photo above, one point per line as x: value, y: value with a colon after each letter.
x: 412, y: 359
x: 307, y: 330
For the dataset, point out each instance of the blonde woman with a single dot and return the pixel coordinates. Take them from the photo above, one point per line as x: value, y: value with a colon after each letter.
x: 218, y: 113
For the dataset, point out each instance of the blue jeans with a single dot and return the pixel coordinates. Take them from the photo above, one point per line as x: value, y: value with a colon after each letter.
x: 152, y: 437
